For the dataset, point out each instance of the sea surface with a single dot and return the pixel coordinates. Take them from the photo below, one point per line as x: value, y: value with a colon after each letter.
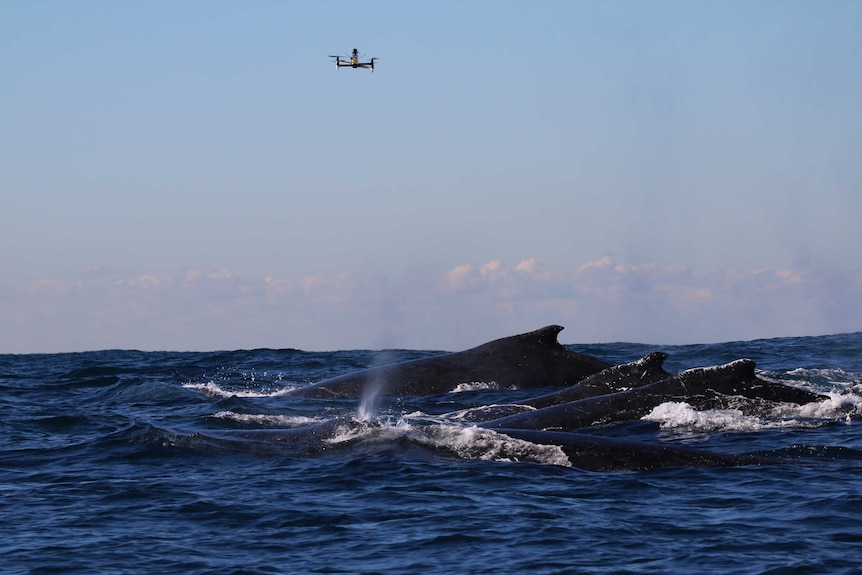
x: 129, y: 462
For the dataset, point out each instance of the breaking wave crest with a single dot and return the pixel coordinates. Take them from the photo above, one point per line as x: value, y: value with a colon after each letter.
x: 268, y: 420
x: 476, y: 386
x: 487, y: 445
x: 213, y: 389
x: 673, y: 415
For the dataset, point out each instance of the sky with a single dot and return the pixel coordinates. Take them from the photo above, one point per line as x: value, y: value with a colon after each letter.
x: 197, y: 175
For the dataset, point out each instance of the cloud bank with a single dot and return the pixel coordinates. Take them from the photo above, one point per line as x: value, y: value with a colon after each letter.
x: 597, y: 301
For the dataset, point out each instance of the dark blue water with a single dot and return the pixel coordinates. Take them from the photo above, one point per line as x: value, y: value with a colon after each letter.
x: 132, y: 462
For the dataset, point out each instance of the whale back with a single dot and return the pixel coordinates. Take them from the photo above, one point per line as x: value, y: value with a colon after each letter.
x: 532, y: 359
x: 644, y: 371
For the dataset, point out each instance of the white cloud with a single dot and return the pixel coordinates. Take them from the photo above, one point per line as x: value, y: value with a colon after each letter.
x: 52, y: 286
x: 793, y: 276
x: 492, y: 271
x: 329, y: 290
x: 603, y: 263
x: 212, y: 275
x: 457, y: 278
x: 147, y: 281
x: 528, y: 266
x: 602, y: 300
x: 279, y: 285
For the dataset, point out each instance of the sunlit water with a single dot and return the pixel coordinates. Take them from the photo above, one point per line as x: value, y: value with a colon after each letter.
x: 131, y: 462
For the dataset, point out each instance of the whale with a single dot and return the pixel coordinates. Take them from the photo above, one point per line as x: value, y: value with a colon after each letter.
x: 646, y: 370
x: 532, y: 359
x: 699, y: 387
x: 342, y: 434
x: 598, y: 453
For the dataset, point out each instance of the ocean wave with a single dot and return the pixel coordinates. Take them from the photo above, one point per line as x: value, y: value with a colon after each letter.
x: 268, y: 420
x: 214, y: 389
x: 676, y: 415
x: 476, y: 386
x: 484, y: 444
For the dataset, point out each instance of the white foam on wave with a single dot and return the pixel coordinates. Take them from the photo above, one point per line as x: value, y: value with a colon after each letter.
x: 832, y: 375
x: 464, y: 442
x: 675, y: 415
x: 357, y: 429
x: 476, y: 386
x: 818, y: 380
x: 370, y: 430
x: 672, y: 414
x: 838, y: 405
x: 213, y: 389
x: 269, y: 420
x: 490, y: 411
x: 487, y: 445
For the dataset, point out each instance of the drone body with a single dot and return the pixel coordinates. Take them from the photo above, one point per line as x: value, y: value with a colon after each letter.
x: 353, y: 61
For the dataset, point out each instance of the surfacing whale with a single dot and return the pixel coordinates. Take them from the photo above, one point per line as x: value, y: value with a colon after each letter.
x: 623, y: 377
x: 581, y: 451
x: 533, y: 359
x: 593, y: 393
x: 644, y: 371
x: 598, y: 453
x: 698, y: 387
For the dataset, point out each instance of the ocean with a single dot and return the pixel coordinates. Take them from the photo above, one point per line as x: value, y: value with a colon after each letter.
x: 129, y: 462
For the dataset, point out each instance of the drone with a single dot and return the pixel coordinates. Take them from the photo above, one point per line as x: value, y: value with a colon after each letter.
x: 353, y: 61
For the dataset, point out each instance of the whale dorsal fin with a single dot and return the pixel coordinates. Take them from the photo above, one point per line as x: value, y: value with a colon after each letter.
x: 653, y: 359
x: 740, y: 368
x: 744, y: 368
x: 547, y: 335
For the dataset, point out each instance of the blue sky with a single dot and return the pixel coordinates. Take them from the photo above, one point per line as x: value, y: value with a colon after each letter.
x: 197, y: 175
